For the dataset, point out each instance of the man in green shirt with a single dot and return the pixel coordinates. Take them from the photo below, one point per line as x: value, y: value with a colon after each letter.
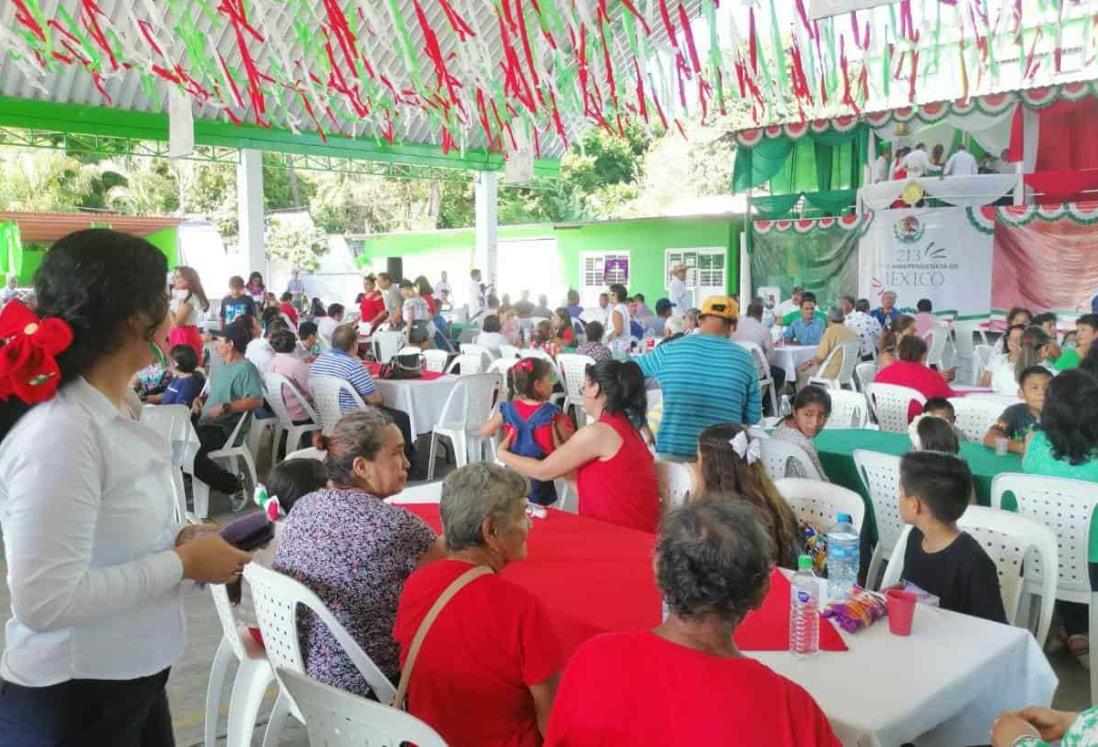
x: 236, y: 388
x: 1086, y: 329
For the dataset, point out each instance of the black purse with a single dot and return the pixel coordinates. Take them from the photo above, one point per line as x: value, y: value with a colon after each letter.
x: 409, y: 366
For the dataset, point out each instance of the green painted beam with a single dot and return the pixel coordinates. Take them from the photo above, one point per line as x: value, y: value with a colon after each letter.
x: 101, y: 120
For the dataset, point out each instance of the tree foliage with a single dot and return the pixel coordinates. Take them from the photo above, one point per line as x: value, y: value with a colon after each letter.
x: 34, y: 180
x: 300, y: 245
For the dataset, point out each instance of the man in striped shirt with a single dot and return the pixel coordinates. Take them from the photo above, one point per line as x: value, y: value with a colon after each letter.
x: 706, y: 379
x: 342, y: 362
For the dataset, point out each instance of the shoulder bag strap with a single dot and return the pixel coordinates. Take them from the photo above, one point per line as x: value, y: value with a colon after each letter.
x: 448, y: 593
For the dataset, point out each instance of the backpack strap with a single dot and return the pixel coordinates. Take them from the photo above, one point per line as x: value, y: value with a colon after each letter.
x: 448, y: 593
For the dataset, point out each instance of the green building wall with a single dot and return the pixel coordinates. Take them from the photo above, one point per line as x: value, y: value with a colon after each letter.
x: 166, y: 240
x: 646, y: 239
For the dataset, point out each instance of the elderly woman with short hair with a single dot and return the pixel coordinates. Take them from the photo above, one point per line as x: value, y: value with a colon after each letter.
x: 685, y: 681
x: 353, y: 549
x: 487, y: 671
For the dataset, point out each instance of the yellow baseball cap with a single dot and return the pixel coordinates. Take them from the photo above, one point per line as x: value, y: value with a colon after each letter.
x: 725, y: 307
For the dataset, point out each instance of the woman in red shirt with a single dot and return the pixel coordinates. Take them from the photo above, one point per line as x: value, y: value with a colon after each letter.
x: 487, y: 669
x: 372, y: 307
x: 912, y: 372
x: 684, y: 681
x: 563, y: 334
x: 615, y: 472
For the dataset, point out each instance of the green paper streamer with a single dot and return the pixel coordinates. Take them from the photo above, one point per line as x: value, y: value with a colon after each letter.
x: 779, y: 56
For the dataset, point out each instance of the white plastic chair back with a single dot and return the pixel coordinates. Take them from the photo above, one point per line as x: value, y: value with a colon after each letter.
x: 819, y: 503
x: 975, y: 415
x: 502, y: 367
x: 337, y: 718
x: 470, y: 348
x: 172, y: 422
x: 983, y: 358
x: 277, y: 385
x: 228, y: 620
x: 880, y: 474
x: 962, y: 336
x: 470, y: 402
x: 573, y: 372
x: 435, y: 360
x: 783, y: 459
x: 675, y: 481
x: 889, y: 404
x: 278, y: 599
x: 848, y: 410
x: 326, y: 391
x: 509, y: 351
x: 936, y: 339
x: 864, y: 373
x: 1013, y: 542
x: 766, y: 380
x: 466, y: 365
x: 387, y: 344
x: 310, y: 453
x: 849, y: 354
x: 410, y: 350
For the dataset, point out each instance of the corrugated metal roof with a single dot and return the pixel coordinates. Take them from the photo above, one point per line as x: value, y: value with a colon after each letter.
x: 132, y: 27
x: 45, y: 228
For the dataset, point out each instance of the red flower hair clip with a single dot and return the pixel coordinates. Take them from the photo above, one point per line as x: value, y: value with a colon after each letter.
x: 28, y: 367
x: 526, y: 364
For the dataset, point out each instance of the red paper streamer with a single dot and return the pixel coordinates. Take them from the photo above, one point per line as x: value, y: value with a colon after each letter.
x: 27, y: 19
x: 667, y: 23
x: 685, y: 22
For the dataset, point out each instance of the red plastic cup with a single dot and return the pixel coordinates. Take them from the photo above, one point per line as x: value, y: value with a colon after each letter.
x: 901, y: 610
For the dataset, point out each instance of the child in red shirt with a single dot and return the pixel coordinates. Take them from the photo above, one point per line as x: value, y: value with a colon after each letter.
x: 535, y: 426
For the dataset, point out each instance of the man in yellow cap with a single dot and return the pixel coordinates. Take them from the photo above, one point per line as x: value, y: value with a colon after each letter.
x: 705, y: 378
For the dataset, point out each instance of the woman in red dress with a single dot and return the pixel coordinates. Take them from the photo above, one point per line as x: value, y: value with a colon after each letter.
x: 685, y: 681
x: 614, y: 470
x: 372, y: 307
x: 911, y: 371
x: 188, y: 304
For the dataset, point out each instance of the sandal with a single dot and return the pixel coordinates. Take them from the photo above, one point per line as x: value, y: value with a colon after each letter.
x: 1079, y: 646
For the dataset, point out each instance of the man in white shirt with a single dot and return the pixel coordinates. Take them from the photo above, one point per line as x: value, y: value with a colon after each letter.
x: 867, y: 328
x: 259, y: 350
x: 791, y: 304
x: 679, y: 294
x: 442, y: 285
x: 325, y: 325
x: 475, y: 297
x: 961, y: 163
x: 917, y: 162
x: 882, y: 166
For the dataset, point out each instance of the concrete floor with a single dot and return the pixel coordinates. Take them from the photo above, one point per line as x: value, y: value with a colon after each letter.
x: 189, y: 679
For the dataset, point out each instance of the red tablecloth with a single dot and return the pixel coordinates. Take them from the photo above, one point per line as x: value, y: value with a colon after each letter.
x: 374, y: 368
x: 595, y: 577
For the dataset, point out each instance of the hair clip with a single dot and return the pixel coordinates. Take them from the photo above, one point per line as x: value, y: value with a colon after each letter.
x: 28, y: 364
x: 746, y: 448
x: 269, y: 503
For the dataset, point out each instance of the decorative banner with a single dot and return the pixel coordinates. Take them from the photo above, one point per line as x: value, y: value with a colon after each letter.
x: 821, y: 255
x: 1044, y: 258
x: 935, y: 253
x: 615, y: 268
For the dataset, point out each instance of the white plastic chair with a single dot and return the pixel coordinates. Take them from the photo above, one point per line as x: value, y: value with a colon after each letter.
x: 278, y: 599
x: 467, y: 408
x: 1008, y: 539
x: 466, y: 364
x: 253, y: 676
x: 387, y: 344
x: 310, y: 453
x: 337, y: 718
x: 557, y: 398
x: 819, y: 503
x: 484, y: 353
x: 326, y: 391
x: 850, y: 353
x: 277, y: 386
x: 235, y: 448
x: 936, y: 339
x: 864, y: 374
x: 509, y: 351
x: 1066, y: 507
x: 410, y: 350
x: 983, y: 358
x: 502, y: 367
x: 783, y: 459
x: 435, y: 359
x: 880, y: 474
x: 172, y: 422
x: 975, y: 415
x: 675, y: 481
x: 766, y: 383
x: 573, y: 372
x: 889, y: 404
x: 848, y: 410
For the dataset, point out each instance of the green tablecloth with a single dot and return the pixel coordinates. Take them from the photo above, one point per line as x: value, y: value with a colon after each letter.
x: 836, y: 451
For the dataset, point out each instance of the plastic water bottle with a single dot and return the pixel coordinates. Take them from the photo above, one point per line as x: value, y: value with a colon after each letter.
x: 842, y: 557
x: 785, y: 407
x: 804, y: 614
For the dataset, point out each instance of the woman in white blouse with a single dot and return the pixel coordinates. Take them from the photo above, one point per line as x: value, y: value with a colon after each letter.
x: 617, y: 328
x: 95, y: 559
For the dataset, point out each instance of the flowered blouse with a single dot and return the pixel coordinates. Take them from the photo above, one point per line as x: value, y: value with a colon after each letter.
x: 788, y: 433
x: 1083, y: 732
x: 354, y: 551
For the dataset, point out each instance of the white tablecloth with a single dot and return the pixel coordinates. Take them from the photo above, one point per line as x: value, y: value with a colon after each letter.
x: 788, y: 357
x: 943, y: 685
x: 423, y: 400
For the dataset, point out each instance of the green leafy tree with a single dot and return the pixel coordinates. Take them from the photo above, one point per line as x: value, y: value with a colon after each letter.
x: 35, y: 180
x: 301, y: 246
x: 148, y: 187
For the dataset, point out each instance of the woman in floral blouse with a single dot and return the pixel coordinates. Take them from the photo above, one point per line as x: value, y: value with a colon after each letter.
x: 1037, y: 726
x: 354, y: 550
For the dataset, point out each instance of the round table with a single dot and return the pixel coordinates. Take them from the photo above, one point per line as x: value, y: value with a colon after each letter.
x: 423, y: 399
x: 788, y: 357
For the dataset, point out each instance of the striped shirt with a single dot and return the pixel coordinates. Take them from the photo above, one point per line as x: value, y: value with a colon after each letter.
x: 705, y: 380
x: 342, y: 366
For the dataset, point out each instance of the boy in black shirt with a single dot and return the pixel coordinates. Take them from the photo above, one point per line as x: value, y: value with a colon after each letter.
x: 940, y: 558
x: 237, y: 304
x: 1018, y: 420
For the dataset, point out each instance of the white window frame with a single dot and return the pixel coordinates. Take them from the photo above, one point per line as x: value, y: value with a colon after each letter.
x: 589, y: 292
x: 690, y: 256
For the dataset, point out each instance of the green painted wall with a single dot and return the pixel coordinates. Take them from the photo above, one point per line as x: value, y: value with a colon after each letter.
x: 646, y: 240
x: 166, y: 240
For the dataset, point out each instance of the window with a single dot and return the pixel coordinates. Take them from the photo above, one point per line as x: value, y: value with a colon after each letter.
x: 600, y: 270
x: 705, y: 269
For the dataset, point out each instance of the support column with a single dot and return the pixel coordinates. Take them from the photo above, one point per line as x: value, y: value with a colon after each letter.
x: 486, y: 256
x: 249, y: 210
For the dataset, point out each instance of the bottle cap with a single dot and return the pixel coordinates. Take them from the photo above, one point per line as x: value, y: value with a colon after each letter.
x: 846, y: 518
x: 804, y: 563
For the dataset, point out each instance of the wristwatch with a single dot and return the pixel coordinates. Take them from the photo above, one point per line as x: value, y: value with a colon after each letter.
x: 226, y: 408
